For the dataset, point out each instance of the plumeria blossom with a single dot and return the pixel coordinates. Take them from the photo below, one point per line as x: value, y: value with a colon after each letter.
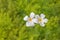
x: 41, y: 20
x: 30, y: 20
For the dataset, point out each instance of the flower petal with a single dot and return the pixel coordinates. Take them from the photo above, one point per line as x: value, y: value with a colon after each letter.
x: 35, y: 20
x: 32, y: 15
x: 42, y: 15
x: 36, y: 16
x: 29, y: 24
x: 42, y: 24
x: 45, y: 20
x: 26, y: 18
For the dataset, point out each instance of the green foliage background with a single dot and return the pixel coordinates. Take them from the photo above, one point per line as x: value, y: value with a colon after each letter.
x: 12, y: 25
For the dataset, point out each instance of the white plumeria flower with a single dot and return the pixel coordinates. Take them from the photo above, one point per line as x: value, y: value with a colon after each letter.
x: 30, y: 20
x: 40, y: 20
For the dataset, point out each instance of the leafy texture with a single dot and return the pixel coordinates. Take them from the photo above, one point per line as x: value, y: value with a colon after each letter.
x: 12, y: 25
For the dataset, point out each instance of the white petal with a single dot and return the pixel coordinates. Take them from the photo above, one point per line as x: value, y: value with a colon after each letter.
x: 42, y: 24
x: 36, y: 16
x: 29, y: 24
x: 26, y: 18
x: 45, y: 20
x: 35, y: 20
x: 42, y: 15
x: 32, y: 15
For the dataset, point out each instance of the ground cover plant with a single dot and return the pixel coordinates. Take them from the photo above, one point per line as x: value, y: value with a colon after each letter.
x: 13, y: 27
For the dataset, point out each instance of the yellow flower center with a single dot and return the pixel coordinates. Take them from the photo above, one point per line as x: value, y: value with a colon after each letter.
x: 40, y: 19
x: 30, y: 19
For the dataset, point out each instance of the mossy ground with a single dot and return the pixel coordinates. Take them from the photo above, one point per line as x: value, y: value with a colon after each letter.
x: 12, y: 25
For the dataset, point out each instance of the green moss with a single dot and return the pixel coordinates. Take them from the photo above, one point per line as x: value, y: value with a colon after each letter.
x: 12, y: 25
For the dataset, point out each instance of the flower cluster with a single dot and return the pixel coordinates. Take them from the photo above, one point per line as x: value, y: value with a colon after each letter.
x: 32, y: 19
